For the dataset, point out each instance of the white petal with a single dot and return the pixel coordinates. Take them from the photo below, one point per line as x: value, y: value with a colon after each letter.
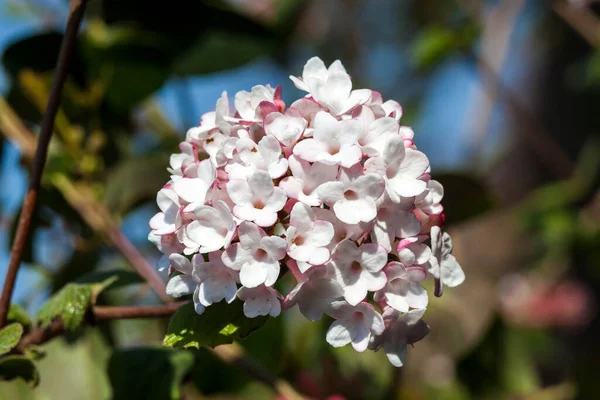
x: 180, y: 285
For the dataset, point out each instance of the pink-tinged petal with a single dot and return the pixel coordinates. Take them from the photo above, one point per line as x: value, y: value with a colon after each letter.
x: 248, y: 213
x: 394, y: 151
x: 299, y: 83
x: 291, y: 186
x: 327, y: 128
x: 373, y: 257
x: 414, y: 274
x: 331, y: 192
x: 250, y: 235
x: 278, y: 169
x: 206, y: 172
x: 277, y: 200
x: 338, y: 335
x: 260, y: 184
x: 314, y: 67
x: 307, y: 107
x: 350, y: 156
x: 360, y: 337
x: 302, y: 217
x: 319, y: 255
x: 253, y: 275
x: 166, y: 199
x: 371, y: 185
x: 180, y: 285
x: 407, y: 224
x: 180, y: 263
x: 414, y: 163
x: 321, y: 233
x: 275, y: 246
x: 338, y: 86
x: 354, y: 292
x: 309, y: 149
x: 239, y: 192
x: 373, y: 281
x: 407, y: 186
x: 422, y: 253
x: 191, y: 189
x: 264, y: 218
x: 235, y: 256
x: 161, y: 226
x: 416, y: 296
x: 299, y: 167
x: 452, y: 273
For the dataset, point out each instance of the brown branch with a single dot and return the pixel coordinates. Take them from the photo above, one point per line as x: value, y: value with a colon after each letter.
x: 581, y: 19
x: 62, y: 66
x: 232, y: 354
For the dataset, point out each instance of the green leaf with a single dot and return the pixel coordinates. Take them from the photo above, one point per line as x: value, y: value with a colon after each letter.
x: 220, y: 323
x: 16, y: 313
x: 148, y: 373
x: 39, y: 53
x: 70, y: 304
x: 13, y: 367
x: 10, y: 336
x: 126, y: 189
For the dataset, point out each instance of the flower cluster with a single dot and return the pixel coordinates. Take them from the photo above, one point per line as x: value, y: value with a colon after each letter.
x: 331, y: 188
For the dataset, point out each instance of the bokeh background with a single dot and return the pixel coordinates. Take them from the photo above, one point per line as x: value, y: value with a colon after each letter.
x: 504, y: 97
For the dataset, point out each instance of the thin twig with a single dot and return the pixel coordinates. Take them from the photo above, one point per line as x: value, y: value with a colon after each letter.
x: 581, y: 19
x: 62, y: 66
x: 536, y: 136
x: 233, y: 353
x: 84, y: 202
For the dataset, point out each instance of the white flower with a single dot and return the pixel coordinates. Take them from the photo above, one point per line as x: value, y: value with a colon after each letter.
x: 216, y: 281
x: 412, y: 251
x: 287, y: 128
x: 353, y: 201
x: 429, y: 201
x: 180, y: 161
x: 341, y: 230
x: 306, y: 179
x: 248, y: 104
x: 359, y: 269
x: 313, y: 294
x: 400, y: 330
x: 256, y: 199
x: 170, y: 218
x: 392, y: 109
x: 184, y: 284
x: 333, y: 142
x: 307, y: 237
x: 256, y: 256
x: 260, y: 300
x: 332, y: 87
x: 354, y: 325
x: 210, y: 122
x: 212, y: 228
x: 194, y: 187
x: 402, y: 290
x: 442, y: 264
x: 264, y: 156
x: 374, y: 133
x: 392, y: 222
x: 401, y: 169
